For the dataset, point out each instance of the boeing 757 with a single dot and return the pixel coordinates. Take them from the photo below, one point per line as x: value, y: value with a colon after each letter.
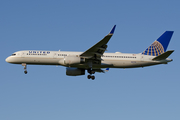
x: 95, y: 59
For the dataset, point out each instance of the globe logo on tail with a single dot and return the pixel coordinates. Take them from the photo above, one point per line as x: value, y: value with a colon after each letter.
x: 155, y: 49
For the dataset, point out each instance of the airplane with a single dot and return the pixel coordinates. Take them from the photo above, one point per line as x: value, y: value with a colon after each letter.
x: 95, y: 59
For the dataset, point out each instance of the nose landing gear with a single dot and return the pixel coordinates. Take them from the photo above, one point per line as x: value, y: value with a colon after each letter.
x: 25, y: 67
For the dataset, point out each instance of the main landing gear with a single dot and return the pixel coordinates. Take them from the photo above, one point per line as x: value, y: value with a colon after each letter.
x: 91, y: 76
x: 25, y: 67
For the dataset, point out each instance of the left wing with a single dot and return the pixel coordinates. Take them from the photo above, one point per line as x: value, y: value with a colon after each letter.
x: 101, y: 71
x: 96, y: 51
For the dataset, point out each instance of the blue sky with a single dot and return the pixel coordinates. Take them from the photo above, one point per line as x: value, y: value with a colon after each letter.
x: 47, y: 93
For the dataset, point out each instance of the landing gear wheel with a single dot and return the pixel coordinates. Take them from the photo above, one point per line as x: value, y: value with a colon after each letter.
x: 90, y: 71
x: 25, y: 72
x: 89, y: 76
x: 92, y: 77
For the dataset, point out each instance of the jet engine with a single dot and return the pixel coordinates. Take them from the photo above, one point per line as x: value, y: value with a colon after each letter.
x: 74, y: 71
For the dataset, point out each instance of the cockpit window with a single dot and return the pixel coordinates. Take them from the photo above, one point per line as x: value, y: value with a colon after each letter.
x: 13, y: 54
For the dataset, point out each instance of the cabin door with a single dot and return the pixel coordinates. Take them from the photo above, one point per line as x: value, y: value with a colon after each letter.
x: 55, y: 55
x: 23, y: 55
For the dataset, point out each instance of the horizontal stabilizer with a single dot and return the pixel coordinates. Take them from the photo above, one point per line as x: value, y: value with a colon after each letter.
x: 164, y: 55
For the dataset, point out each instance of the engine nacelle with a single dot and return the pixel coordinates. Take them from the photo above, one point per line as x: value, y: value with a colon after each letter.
x: 69, y: 60
x: 75, y: 71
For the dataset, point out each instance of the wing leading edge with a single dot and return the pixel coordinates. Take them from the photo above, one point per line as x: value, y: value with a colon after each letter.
x: 96, y: 51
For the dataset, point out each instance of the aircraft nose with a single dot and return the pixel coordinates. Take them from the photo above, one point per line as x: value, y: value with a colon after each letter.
x: 8, y: 59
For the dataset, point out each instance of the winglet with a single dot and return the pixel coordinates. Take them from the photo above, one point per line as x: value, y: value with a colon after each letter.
x: 107, y: 69
x: 112, y: 31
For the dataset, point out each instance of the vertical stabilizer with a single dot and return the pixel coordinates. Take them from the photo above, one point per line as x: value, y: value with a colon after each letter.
x: 160, y: 45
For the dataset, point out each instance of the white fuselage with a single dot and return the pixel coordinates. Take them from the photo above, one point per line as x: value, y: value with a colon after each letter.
x: 109, y: 60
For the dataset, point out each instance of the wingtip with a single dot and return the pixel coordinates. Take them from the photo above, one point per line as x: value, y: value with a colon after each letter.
x: 113, y: 29
x: 107, y: 69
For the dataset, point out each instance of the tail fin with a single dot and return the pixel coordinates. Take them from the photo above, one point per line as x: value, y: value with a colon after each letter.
x: 160, y: 45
